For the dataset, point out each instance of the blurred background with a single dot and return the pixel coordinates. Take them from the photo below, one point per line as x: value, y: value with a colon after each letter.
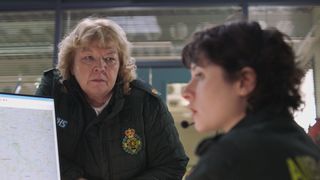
x: 31, y: 29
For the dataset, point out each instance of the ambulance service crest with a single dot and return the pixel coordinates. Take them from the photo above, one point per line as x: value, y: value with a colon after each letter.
x: 131, y: 143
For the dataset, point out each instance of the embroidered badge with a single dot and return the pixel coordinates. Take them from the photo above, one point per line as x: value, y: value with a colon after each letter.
x: 131, y: 143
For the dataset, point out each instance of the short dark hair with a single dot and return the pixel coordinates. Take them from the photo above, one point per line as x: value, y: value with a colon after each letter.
x: 240, y: 44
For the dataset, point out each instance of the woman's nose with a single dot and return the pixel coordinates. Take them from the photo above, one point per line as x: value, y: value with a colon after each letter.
x: 100, y: 64
x: 186, y: 92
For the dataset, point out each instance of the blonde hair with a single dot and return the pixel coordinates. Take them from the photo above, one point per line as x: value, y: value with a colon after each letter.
x: 103, y: 31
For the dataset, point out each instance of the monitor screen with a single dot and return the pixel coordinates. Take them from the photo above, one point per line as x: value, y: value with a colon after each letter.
x: 28, y: 141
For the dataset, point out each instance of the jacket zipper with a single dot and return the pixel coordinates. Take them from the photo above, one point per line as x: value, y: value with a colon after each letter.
x: 106, y: 151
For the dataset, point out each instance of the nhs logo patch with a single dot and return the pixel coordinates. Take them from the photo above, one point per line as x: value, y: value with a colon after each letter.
x: 61, y: 122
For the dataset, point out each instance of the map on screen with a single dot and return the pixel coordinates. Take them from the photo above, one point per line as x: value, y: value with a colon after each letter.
x: 28, y: 143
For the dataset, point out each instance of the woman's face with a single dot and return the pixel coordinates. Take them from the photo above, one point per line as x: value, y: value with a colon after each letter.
x: 96, y: 70
x: 215, y: 103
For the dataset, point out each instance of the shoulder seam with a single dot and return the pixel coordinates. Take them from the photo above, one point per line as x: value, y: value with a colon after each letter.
x: 142, y: 85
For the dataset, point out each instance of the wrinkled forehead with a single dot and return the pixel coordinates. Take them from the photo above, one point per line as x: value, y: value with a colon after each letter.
x: 99, y: 41
x: 108, y: 47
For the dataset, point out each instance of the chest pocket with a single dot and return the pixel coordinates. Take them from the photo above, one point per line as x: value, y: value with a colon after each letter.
x: 127, y: 145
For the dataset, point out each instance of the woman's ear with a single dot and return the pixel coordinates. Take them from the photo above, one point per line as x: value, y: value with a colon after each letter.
x: 247, y: 81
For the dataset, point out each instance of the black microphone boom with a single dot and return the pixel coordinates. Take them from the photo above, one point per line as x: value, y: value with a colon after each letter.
x: 186, y: 124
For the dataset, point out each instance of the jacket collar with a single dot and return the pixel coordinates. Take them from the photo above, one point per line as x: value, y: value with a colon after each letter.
x: 267, y: 115
x: 116, y: 102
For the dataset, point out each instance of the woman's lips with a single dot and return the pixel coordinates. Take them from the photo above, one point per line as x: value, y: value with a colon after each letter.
x: 98, y: 80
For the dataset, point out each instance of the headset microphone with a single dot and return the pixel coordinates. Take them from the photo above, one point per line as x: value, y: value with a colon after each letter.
x: 186, y: 124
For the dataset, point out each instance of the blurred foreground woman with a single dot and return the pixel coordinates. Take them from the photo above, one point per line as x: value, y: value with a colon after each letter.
x: 245, y: 83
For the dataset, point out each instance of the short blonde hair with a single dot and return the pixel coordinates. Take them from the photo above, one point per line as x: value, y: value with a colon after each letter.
x: 104, y: 31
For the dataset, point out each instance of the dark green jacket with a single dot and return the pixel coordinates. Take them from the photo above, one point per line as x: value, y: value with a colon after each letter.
x: 264, y: 146
x: 134, y: 137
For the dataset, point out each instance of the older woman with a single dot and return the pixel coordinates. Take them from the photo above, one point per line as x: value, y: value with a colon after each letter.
x: 245, y: 84
x: 110, y: 126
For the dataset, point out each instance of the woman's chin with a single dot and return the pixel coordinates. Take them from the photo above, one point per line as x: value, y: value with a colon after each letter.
x: 200, y: 127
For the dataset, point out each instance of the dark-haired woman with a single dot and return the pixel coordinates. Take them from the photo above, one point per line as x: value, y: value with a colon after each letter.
x: 245, y: 84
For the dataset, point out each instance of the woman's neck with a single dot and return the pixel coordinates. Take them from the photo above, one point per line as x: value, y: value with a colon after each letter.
x: 99, y: 101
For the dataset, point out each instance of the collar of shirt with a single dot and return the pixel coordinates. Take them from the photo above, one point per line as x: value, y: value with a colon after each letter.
x: 98, y: 110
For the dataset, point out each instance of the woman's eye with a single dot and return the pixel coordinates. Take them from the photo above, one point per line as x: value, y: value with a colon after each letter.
x: 109, y: 60
x: 198, y: 76
x: 88, y: 58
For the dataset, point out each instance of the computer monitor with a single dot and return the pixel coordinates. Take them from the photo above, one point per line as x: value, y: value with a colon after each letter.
x: 28, y: 138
